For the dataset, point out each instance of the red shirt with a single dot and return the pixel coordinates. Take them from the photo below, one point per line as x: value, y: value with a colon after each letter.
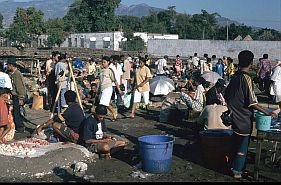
x: 3, y: 113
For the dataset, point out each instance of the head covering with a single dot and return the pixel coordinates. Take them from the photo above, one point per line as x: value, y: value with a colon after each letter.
x: 130, y: 59
x: 12, y: 61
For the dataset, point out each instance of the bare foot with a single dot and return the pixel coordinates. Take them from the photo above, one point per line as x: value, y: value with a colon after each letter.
x: 132, y: 116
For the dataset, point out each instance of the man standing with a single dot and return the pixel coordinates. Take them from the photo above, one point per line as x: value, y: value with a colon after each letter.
x: 127, y: 74
x: 117, y: 69
x: 60, y: 68
x: 241, y: 100
x: 143, y: 76
x: 18, y: 93
x: 219, y: 68
x: 161, y: 66
x: 50, y: 77
x: 195, y: 61
x: 265, y: 68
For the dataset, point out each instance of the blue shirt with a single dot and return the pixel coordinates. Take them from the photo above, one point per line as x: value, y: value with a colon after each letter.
x: 219, y: 68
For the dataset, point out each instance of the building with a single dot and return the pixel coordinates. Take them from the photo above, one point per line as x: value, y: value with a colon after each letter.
x: 149, y: 36
x: 107, y: 40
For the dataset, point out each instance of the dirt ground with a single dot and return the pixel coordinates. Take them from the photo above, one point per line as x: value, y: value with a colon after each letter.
x: 187, y: 161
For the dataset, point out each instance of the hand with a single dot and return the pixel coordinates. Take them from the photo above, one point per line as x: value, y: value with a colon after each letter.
x: 121, y: 93
x: 140, y: 85
x: 273, y: 114
x: 38, y: 130
x: 21, y: 102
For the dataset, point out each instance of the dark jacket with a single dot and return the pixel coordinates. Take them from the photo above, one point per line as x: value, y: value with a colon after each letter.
x: 19, y: 88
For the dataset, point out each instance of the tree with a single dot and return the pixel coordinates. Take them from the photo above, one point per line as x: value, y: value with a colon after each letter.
x: 76, y: 19
x: 168, y: 18
x: 1, y: 21
x: 152, y: 24
x: 102, y: 14
x: 55, y: 31
x: 134, y: 44
x: 28, y: 24
x: 183, y: 25
x: 267, y: 34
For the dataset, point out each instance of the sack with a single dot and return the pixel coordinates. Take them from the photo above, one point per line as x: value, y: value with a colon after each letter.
x: 227, y: 117
x: 37, y: 101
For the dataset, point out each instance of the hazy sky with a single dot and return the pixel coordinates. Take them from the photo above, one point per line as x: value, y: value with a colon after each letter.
x: 261, y: 13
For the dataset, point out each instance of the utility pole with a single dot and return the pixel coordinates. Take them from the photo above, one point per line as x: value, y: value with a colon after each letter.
x: 203, y: 33
x: 227, y: 30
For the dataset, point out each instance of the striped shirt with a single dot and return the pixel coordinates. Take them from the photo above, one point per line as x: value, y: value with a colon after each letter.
x: 240, y: 97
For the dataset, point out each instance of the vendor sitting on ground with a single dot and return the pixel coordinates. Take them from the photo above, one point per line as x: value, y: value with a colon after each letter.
x: 194, y: 101
x: 210, y: 117
x: 94, y: 136
x: 4, y: 112
x: 92, y: 95
x: 216, y: 93
x: 66, y: 125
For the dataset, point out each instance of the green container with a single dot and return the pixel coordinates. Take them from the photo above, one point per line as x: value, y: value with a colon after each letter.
x: 263, y: 122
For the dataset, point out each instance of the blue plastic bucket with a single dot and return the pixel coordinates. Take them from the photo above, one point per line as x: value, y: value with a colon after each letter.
x: 217, y: 148
x: 263, y: 122
x: 156, y: 152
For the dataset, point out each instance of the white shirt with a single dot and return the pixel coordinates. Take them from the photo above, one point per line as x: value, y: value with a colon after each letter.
x: 161, y: 63
x: 117, y: 72
x: 202, y: 64
x: 199, y: 94
x: 195, y: 61
x: 5, y: 81
x: 275, y: 88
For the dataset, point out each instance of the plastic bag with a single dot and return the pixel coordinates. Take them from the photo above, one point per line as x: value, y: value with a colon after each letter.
x: 127, y: 100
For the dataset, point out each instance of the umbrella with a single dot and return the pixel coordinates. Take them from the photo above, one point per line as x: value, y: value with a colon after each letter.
x: 211, y: 77
x: 161, y: 85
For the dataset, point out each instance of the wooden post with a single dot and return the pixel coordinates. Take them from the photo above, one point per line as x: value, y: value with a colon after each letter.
x: 258, y: 156
x: 57, y: 97
x: 75, y: 85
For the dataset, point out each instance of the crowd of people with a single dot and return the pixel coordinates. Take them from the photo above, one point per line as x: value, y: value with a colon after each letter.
x: 100, y: 85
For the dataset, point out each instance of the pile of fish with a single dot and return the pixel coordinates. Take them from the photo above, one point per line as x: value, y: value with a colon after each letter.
x: 26, y: 149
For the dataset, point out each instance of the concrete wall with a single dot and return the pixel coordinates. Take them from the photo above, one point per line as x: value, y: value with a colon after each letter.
x: 90, y: 40
x: 219, y: 48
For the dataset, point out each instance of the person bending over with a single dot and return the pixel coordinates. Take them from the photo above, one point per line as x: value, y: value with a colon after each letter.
x: 66, y: 125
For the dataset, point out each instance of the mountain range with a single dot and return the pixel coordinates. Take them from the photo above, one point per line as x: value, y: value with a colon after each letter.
x: 59, y: 8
